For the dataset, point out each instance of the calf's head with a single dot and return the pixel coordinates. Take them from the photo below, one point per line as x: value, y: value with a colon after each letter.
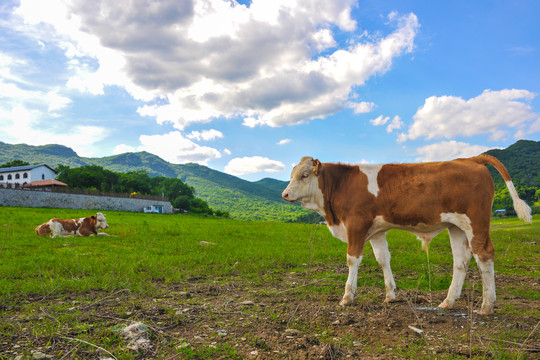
x: 304, y: 185
x: 101, y: 222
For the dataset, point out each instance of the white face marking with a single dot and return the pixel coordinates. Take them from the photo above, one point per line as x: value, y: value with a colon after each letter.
x: 371, y: 171
x: 339, y: 231
x: 101, y: 222
x: 304, y: 187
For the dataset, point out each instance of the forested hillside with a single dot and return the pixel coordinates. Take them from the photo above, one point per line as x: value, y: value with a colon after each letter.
x: 242, y: 199
x: 261, y: 200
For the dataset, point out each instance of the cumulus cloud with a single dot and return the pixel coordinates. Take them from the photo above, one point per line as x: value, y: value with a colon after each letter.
x: 174, y: 147
x: 492, y: 112
x: 254, y: 164
x: 206, y: 135
x: 361, y: 107
x: 381, y: 120
x: 20, y: 124
x: 395, y: 124
x: 284, y: 141
x: 270, y: 63
x: 30, y: 116
x: 123, y: 148
x: 448, y: 150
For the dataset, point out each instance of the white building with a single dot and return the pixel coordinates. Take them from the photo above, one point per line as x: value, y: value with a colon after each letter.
x: 21, y: 175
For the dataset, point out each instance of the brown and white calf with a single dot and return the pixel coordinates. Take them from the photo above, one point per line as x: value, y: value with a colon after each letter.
x: 362, y: 202
x: 86, y: 226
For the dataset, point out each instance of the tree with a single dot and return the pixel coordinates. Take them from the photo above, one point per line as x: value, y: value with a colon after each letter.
x: 14, y: 163
x: 181, y: 195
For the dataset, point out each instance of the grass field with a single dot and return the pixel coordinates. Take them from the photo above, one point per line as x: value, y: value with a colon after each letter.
x: 262, y: 290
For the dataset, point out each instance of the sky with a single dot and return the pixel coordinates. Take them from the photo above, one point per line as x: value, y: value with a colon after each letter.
x: 249, y: 87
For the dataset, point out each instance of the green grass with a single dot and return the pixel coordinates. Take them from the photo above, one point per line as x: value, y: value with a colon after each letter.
x: 50, y: 289
x: 144, y: 250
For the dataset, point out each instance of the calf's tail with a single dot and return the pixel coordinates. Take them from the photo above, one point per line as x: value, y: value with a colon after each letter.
x: 523, y: 210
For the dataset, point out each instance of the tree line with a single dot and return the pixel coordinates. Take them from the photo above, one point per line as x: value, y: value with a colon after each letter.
x: 93, y: 177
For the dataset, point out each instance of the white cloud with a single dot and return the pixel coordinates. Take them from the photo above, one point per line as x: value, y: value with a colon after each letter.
x: 284, y: 141
x: 30, y: 115
x: 176, y: 149
x: 492, y: 112
x: 380, y: 120
x: 449, y: 150
x: 23, y: 125
x: 254, y: 164
x: 395, y: 124
x: 383, y: 120
x: 227, y: 151
x: 56, y: 102
x: 123, y: 148
x: 361, y: 107
x: 271, y: 63
x: 206, y: 135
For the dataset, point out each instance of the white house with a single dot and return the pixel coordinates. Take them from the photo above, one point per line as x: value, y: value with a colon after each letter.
x: 21, y: 175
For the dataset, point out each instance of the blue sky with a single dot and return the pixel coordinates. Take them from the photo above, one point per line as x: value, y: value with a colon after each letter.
x: 250, y: 87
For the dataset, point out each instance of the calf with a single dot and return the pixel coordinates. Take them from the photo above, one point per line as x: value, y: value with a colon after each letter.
x: 362, y: 202
x: 82, y: 227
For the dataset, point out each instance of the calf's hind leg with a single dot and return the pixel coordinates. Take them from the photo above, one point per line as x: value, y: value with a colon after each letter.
x: 462, y: 256
x: 484, y: 255
x: 380, y: 250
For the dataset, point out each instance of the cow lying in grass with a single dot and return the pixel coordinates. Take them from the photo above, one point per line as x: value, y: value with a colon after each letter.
x: 362, y: 202
x: 86, y: 226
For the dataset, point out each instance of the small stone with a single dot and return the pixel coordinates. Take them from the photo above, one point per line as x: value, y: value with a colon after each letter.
x: 247, y: 302
x: 292, y: 331
x: 206, y: 243
x: 38, y: 355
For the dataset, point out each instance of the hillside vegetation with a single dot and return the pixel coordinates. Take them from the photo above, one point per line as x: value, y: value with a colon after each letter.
x: 261, y: 200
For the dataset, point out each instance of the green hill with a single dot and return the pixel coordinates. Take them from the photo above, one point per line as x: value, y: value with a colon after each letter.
x: 242, y: 199
x: 522, y: 160
x: 258, y: 200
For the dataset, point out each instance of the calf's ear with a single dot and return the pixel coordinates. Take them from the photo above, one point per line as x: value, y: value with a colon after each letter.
x: 316, y: 167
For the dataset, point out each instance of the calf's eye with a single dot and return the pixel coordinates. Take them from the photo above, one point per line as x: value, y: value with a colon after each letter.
x: 304, y: 176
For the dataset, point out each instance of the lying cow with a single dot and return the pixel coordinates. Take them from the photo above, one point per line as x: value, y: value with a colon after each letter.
x: 86, y: 226
x: 362, y: 202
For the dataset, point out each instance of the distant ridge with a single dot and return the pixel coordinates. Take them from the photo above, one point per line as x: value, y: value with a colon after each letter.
x: 258, y: 200
x: 243, y: 199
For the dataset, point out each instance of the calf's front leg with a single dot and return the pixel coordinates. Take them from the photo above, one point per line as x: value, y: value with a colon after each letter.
x: 352, y: 279
x: 355, y: 246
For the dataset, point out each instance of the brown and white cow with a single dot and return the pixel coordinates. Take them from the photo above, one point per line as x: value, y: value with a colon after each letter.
x: 86, y: 226
x: 362, y: 202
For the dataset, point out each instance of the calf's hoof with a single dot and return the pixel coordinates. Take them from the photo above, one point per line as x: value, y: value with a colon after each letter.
x: 347, y: 300
x: 445, y: 305
x: 487, y: 311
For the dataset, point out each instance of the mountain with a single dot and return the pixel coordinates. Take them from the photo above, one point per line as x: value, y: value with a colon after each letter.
x: 51, y: 155
x: 243, y: 199
x: 522, y: 160
x: 258, y: 200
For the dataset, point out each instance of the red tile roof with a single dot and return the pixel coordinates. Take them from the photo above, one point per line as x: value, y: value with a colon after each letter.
x: 49, y: 182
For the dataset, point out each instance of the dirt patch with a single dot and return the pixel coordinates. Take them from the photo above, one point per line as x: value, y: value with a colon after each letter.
x: 287, y: 317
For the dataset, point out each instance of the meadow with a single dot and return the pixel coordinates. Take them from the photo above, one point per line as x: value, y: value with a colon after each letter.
x: 265, y: 290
